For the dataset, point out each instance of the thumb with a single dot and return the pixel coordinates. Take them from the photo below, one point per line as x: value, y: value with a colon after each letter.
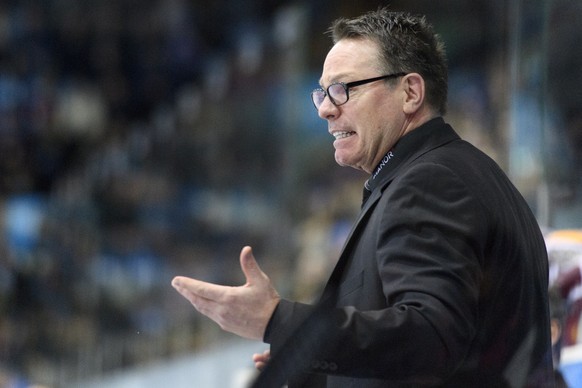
x: 249, y: 266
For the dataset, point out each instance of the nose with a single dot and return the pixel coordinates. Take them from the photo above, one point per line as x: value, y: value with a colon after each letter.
x: 327, y: 110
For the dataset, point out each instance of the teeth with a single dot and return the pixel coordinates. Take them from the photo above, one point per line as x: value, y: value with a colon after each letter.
x: 341, y: 135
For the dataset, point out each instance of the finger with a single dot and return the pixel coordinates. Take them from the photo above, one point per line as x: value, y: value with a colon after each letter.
x: 190, y: 297
x: 262, y: 357
x: 260, y: 366
x: 196, y: 287
x: 249, y: 266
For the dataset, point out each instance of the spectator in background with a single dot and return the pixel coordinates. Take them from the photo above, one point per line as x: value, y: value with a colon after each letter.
x: 565, y: 255
x: 443, y: 279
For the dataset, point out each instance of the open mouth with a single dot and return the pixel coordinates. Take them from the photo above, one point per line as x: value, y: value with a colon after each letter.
x: 343, y: 135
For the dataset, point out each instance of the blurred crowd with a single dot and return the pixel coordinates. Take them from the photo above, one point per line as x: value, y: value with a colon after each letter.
x: 140, y: 140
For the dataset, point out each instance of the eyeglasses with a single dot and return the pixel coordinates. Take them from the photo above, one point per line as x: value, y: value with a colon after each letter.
x: 339, y: 92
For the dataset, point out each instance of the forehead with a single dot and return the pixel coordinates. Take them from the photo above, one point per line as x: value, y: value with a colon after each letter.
x: 350, y: 57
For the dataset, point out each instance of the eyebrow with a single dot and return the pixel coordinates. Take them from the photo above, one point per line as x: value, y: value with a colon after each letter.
x: 334, y: 79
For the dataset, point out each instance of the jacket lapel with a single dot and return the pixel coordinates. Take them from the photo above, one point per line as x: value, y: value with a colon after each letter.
x: 335, y: 277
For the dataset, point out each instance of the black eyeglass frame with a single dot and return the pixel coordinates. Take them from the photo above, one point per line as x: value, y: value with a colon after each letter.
x: 349, y: 85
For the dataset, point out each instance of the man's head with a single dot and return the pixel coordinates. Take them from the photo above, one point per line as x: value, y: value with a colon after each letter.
x: 407, y: 44
x: 368, y: 118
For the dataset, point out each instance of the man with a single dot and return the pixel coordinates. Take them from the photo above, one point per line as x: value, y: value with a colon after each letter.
x: 443, y: 278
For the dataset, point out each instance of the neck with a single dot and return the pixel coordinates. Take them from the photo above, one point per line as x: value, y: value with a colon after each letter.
x: 418, y: 118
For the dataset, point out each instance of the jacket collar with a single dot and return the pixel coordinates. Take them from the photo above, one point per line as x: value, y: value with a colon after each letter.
x: 429, y: 135
x: 411, y: 146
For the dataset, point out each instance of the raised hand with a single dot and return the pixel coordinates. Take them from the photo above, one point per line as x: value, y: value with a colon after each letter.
x: 244, y: 310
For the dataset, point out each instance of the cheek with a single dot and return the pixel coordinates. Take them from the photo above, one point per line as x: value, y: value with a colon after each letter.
x: 375, y: 136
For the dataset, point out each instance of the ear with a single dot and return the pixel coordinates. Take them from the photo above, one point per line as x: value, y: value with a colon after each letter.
x: 414, y: 92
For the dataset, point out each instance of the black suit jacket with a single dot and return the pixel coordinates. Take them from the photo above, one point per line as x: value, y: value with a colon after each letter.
x: 442, y: 281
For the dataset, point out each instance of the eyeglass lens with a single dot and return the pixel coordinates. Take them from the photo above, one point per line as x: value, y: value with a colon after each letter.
x: 337, y: 93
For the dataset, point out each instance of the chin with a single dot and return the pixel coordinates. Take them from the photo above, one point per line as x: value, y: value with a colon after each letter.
x: 346, y: 162
x: 342, y: 162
